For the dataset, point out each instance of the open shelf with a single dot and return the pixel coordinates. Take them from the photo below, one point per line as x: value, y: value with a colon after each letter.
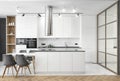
x: 10, y: 35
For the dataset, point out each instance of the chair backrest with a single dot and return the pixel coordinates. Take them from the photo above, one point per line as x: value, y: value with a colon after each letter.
x: 21, y: 60
x: 8, y: 60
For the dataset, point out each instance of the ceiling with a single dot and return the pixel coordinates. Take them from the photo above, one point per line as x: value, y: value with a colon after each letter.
x: 89, y: 7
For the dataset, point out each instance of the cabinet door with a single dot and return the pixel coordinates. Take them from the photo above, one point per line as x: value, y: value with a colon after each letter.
x: 57, y: 26
x: 78, y: 62
x: 41, y: 62
x: 66, y: 62
x: 66, y: 26
x: 41, y: 26
x: 26, y: 27
x: 53, y: 62
x: 75, y: 26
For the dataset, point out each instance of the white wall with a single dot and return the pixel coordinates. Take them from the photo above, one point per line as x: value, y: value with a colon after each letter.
x: 89, y: 37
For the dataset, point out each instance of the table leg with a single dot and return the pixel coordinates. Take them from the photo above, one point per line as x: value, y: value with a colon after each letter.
x: 34, y: 64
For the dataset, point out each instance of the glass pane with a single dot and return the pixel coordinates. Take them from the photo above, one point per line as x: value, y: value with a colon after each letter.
x: 101, y: 58
x: 112, y: 46
x: 101, y: 19
x: 112, y: 30
x: 101, y: 32
x: 101, y: 44
x: 112, y: 14
x: 112, y: 62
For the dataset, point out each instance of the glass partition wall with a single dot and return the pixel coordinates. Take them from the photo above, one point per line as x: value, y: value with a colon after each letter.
x: 107, y: 38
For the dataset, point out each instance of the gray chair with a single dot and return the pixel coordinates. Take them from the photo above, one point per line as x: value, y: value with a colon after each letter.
x: 22, y: 62
x: 8, y: 61
x: 28, y: 57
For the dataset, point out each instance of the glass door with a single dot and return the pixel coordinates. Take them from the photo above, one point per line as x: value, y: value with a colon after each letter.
x: 107, y: 38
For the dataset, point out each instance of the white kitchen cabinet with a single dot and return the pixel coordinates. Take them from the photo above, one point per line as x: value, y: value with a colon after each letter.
x: 78, y: 62
x: 60, y: 62
x: 66, y: 61
x: 75, y: 27
x: 57, y: 26
x: 66, y: 26
x: 26, y: 26
x: 41, y: 60
x: 41, y: 27
x: 53, y: 62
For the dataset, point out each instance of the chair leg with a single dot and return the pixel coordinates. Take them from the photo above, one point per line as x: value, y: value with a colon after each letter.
x: 25, y: 70
x: 12, y: 70
x: 4, y: 71
x: 22, y: 70
x: 15, y: 68
x: 29, y: 69
x: 18, y: 71
x: 8, y: 70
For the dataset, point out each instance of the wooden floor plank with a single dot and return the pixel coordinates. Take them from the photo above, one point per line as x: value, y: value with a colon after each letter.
x: 62, y: 78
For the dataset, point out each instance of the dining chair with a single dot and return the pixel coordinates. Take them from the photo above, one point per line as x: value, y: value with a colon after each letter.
x: 22, y: 62
x: 9, y: 62
x: 28, y: 57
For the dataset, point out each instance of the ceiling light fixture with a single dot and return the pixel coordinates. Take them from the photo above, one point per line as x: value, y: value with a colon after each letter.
x: 59, y: 15
x: 23, y: 14
x: 77, y: 15
x: 39, y: 15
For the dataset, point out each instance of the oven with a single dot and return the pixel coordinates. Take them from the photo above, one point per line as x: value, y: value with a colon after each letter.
x: 31, y: 43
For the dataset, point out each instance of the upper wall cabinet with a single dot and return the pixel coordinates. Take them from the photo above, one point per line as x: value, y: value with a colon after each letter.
x: 32, y: 26
x: 41, y: 30
x: 66, y: 26
x: 26, y: 26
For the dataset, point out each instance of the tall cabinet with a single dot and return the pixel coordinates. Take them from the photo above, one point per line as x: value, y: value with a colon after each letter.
x: 10, y: 34
x: 107, y: 38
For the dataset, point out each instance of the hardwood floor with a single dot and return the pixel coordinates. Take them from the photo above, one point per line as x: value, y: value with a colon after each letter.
x: 62, y: 78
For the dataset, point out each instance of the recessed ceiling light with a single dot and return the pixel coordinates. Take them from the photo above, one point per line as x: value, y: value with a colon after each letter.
x: 74, y: 10
x: 18, y: 9
x: 63, y: 10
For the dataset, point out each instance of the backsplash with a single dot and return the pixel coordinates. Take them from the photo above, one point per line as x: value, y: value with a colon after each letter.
x: 58, y: 42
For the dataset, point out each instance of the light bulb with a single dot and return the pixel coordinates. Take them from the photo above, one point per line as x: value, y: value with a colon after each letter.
x: 74, y: 10
x: 17, y: 10
x: 63, y: 10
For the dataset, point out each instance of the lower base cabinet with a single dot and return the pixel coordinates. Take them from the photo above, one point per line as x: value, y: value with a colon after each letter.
x: 79, y: 62
x: 41, y: 62
x: 66, y: 61
x: 53, y: 62
x: 60, y: 62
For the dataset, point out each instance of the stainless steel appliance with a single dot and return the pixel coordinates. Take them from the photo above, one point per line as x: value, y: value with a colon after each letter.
x: 31, y: 43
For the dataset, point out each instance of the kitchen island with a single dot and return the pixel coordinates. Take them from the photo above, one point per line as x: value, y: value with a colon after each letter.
x: 60, y: 61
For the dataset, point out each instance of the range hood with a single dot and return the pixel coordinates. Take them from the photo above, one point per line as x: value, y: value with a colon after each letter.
x: 48, y: 20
